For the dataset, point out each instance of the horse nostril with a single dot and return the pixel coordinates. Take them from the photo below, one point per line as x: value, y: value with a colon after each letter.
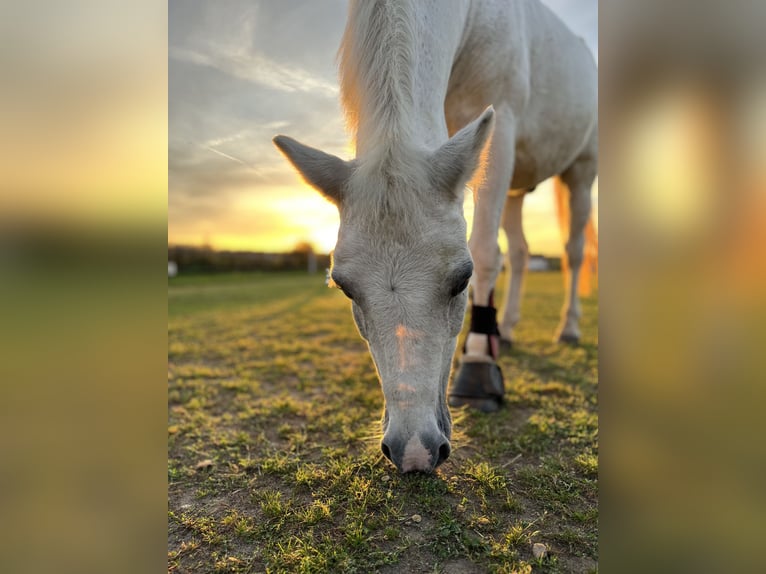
x: 386, y: 451
x: 444, y: 451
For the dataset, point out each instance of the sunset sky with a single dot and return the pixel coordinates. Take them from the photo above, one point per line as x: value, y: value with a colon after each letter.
x: 242, y: 71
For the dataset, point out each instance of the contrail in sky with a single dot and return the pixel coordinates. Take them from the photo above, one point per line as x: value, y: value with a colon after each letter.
x: 227, y: 156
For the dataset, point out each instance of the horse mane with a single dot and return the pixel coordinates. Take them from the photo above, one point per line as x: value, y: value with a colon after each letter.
x: 376, y: 58
x: 376, y: 68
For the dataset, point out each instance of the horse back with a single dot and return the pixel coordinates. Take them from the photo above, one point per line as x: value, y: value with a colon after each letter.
x: 520, y: 57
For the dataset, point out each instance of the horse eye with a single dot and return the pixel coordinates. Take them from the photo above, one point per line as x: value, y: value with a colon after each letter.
x: 460, y: 287
x: 345, y: 292
x: 333, y: 283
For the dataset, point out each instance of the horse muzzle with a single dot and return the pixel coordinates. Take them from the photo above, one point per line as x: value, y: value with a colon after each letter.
x: 420, y: 453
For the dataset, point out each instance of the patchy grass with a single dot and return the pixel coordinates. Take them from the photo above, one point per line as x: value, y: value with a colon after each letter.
x: 273, y: 456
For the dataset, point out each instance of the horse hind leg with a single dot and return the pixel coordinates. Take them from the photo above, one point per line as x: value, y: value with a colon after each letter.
x: 518, y: 255
x: 579, y: 180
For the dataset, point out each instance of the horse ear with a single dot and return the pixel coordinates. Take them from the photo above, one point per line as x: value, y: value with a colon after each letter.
x: 454, y: 162
x: 326, y: 173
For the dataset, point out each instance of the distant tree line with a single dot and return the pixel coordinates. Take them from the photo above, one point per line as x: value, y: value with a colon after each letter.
x: 191, y: 259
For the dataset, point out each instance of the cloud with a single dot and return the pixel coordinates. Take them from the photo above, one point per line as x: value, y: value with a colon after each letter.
x: 258, y: 69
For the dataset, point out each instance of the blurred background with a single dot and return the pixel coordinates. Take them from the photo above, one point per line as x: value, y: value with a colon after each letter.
x: 85, y: 104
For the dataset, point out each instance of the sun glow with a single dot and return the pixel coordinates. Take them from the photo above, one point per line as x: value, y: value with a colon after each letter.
x: 273, y: 219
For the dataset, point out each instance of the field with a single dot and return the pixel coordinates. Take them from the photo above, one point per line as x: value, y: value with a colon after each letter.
x: 273, y: 456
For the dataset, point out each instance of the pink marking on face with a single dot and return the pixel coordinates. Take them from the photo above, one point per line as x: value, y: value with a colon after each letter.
x: 406, y: 359
x: 404, y: 396
x: 416, y: 456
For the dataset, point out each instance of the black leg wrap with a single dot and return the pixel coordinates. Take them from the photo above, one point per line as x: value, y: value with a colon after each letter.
x: 479, y: 385
x: 484, y: 320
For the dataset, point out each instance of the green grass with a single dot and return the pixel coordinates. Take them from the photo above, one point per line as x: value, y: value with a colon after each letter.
x: 269, y: 381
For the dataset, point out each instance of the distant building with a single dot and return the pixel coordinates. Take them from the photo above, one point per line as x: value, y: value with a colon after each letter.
x: 312, y: 262
x: 538, y: 263
x: 172, y: 269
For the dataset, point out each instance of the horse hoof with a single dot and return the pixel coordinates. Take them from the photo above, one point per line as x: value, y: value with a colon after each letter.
x: 478, y: 385
x: 569, y: 339
x: 483, y: 405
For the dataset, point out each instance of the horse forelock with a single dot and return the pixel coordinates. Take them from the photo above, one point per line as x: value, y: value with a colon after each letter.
x: 390, y: 189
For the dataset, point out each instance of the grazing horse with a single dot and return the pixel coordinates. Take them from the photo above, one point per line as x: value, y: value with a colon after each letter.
x: 425, y: 84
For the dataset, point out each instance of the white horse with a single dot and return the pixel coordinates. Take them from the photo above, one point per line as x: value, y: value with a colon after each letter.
x: 413, y: 73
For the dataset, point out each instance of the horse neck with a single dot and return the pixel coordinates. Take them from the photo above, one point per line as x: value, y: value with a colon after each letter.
x: 395, y: 61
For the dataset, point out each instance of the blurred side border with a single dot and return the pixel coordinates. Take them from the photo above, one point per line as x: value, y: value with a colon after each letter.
x: 83, y: 328
x: 683, y: 286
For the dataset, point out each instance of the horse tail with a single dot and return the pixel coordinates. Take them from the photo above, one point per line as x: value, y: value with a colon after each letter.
x: 589, y: 268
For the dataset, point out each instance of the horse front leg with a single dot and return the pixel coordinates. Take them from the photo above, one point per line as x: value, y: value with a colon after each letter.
x: 518, y: 254
x: 579, y: 179
x: 479, y: 381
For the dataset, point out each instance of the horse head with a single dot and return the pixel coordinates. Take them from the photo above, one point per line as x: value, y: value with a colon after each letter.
x: 403, y: 261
